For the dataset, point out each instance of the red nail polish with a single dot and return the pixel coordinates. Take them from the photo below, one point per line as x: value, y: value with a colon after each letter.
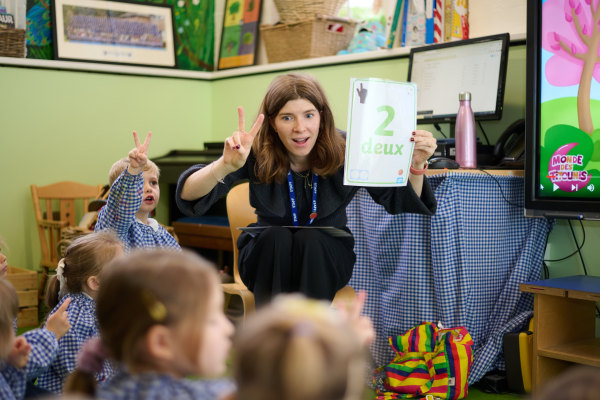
x: 412, y: 139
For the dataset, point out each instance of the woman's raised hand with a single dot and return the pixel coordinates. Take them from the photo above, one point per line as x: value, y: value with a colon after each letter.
x: 138, y: 156
x: 237, y: 146
x: 425, y: 145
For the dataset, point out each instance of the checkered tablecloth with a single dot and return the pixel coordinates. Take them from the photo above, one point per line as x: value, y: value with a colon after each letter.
x: 462, y: 267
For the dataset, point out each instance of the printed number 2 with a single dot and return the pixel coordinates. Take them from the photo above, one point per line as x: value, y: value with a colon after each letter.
x: 381, y: 131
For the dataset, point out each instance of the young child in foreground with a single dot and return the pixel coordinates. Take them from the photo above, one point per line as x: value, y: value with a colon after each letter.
x: 18, y: 358
x: 161, y: 319
x: 37, y: 348
x: 301, y: 349
x: 134, y: 194
x: 77, y: 281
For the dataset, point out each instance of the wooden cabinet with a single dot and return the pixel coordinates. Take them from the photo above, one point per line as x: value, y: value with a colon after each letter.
x: 564, y: 330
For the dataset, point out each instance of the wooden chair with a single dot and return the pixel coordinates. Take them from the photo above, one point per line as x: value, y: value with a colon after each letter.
x: 240, y: 214
x: 56, y: 207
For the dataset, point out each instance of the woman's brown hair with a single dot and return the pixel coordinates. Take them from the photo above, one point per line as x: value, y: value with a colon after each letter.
x: 272, y: 161
x: 85, y: 257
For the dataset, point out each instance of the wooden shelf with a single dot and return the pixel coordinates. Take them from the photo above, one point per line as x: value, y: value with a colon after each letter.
x: 375, y: 55
x: 564, y: 325
x: 585, y: 352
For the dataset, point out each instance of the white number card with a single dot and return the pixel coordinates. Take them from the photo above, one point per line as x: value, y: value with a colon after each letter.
x: 382, y: 115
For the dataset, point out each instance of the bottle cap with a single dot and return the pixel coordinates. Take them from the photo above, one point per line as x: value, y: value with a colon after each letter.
x: 464, y: 96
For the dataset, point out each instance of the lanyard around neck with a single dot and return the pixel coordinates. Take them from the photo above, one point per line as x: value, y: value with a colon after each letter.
x: 313, y: 213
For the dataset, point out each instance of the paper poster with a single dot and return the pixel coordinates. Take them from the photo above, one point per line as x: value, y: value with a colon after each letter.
x: 382, y: 115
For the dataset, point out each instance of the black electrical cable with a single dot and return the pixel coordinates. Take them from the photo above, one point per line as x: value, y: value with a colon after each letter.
x: 437, y: 126
x: 501, y: 191
x: 483, y: 131
x: 575, y: 252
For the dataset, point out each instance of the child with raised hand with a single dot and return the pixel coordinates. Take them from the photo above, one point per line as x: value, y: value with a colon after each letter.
x: 161, y: 318
x: 301, y: 349
x: 37, y: 347
x: 77, y: 281
x: 134, y: 194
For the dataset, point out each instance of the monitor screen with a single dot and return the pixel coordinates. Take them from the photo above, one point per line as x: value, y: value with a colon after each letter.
x: 562, y: 142
x: 444, y: 70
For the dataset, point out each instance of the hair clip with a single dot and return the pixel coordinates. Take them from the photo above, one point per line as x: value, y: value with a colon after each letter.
x: 156, y: 309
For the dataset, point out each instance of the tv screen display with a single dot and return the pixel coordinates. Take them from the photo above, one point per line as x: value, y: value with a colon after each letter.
x: 444, y: 70
x: 562, y: 169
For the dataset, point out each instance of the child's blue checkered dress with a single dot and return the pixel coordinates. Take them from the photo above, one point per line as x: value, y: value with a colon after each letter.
x: 12, y: 382
x: 154, y: 386
x: 82, y: 317
x: 44, y: 348
x: 118, y: 215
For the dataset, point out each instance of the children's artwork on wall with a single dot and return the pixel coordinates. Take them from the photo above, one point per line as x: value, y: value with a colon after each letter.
x: 239, y: 38
x: 38, y: 37
x: 194, y: 31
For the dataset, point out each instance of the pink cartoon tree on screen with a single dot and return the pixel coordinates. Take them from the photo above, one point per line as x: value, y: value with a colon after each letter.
x: 574, y: 39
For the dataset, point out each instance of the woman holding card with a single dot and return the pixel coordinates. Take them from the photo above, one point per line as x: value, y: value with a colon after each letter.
x: 293, y: 157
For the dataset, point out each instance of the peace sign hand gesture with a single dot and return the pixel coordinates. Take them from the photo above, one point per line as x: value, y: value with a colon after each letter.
x: 237, y: 146
x: 138, y: 156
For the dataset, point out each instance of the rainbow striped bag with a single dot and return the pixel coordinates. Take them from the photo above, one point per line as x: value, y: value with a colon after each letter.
x: 428, y: 362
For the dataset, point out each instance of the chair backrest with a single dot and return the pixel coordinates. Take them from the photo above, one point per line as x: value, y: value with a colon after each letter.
x: 240, y: 214
x: 56, y: 206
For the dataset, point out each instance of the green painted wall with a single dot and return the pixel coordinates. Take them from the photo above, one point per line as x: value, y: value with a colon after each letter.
x: 62, y: 125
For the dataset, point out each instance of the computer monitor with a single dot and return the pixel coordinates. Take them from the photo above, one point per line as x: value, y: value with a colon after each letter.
x: 442, y: 71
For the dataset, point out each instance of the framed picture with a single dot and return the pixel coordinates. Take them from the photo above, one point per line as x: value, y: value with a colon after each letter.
x: 239, y: 37
x: 113, y: 32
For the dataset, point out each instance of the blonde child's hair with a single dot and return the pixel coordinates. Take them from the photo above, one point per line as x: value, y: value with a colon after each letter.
x: 9, y: 307
x: 299, y: 349
x: 3, y: 245
x: 121, y: 165
x: 85, y: 257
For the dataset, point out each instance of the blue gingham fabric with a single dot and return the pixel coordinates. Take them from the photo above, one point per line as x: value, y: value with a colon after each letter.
x: 82, y: 317
x: 44, y: 348
x: 155, y: 386
x: 12, y: 382
x: 118, y: 215
x: 460, y: 267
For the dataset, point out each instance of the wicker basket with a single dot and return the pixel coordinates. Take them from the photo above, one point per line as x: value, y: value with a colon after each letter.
x: 318, y: 37
x: 12, y: 42
x: 300, y: 10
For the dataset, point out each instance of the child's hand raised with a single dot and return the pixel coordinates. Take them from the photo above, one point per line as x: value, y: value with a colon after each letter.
x: 362, y: 325
x: 237, y: 146
x: 138, y: 156
x: 58, y: 323
x: 20, y: 353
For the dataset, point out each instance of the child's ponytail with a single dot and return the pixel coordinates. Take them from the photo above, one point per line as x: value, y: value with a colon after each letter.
x: 52, y: 292
x: 90, y: 361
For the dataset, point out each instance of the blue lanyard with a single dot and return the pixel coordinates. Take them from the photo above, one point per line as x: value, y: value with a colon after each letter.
x: 313, y: 213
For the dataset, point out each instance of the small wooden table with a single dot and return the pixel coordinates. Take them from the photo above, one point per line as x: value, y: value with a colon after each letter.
x: 564, y: 331
x: 205, y: 236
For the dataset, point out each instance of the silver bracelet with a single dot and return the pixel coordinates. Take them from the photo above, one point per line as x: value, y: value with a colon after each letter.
x: 213, y: 174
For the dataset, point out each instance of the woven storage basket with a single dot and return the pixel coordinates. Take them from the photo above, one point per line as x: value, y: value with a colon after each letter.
x: 318, y: 37
x: 300, y: 10
x: 12, y: 42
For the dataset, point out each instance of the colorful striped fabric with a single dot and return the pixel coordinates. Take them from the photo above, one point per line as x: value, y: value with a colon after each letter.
x: 428, y: 361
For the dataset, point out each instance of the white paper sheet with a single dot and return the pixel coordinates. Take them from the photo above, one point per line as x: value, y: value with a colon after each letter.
x: 381, y: 117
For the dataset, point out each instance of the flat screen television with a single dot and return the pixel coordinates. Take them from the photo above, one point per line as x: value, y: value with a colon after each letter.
x: 562, y: 142
x: 442, y: 71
